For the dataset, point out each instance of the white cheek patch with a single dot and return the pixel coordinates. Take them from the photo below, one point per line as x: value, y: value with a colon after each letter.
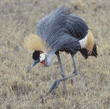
x: 83, y: 42
x: 42, y: 57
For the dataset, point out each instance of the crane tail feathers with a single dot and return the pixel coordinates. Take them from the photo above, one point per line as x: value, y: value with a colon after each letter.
x: 90, y: 42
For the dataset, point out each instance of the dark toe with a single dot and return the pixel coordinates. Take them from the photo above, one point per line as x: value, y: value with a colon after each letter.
x: 53, y: 87
x: 62, y: 74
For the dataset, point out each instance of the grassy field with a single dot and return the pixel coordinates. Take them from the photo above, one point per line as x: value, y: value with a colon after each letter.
x: 22, y: 89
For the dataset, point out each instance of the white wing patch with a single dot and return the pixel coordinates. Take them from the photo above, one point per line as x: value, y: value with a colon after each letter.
x: 83, y: 42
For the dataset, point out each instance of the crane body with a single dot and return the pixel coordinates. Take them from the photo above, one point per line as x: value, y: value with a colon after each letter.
x: 61, y: 31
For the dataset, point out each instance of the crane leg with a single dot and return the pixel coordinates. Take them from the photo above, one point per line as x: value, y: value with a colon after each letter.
x: 75, y: 70
x: 55, y: 84
x: 62, y: 70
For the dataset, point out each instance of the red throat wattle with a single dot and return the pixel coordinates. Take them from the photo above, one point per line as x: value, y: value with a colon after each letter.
x: 43, y: 62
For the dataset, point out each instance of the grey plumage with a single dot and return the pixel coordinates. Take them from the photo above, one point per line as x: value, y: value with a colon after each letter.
x: 62, y: 30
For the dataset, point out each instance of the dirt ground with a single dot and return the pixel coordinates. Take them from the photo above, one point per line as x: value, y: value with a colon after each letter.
x: 22, y: 89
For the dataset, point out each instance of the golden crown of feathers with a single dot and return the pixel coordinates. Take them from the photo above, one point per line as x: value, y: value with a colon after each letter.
x: 35, y: 43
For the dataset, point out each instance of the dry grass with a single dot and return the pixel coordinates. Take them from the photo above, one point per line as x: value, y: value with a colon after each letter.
x: 20, y: 89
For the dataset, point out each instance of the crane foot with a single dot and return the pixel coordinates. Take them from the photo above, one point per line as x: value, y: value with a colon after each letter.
x: 54, y: 86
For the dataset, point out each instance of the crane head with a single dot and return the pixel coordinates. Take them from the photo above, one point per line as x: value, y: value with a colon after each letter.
x: 42, y: 52
x: 38, y: 56
x: 42, y: 57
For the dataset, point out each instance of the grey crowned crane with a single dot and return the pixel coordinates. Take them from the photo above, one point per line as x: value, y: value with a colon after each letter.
x: 60, y: 31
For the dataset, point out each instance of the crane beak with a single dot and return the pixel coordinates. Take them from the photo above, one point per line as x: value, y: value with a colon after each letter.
x: 34, y: 63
